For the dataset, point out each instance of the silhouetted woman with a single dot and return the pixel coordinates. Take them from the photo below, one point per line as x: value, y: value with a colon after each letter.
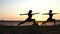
x: 50, y: 17
x: 29, y: 17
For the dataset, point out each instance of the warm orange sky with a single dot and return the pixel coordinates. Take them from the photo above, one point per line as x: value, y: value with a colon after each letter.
x: 10, y: 9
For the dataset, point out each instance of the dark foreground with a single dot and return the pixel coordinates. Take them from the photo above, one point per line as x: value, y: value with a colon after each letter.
x: 30, y: 29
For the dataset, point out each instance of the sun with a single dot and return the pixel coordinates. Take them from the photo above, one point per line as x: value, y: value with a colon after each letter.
x: 37, y: 17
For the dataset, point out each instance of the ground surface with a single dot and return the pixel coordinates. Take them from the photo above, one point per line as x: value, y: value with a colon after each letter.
x: 30, y: 29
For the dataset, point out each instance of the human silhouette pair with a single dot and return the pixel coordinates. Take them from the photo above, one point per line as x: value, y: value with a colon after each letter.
x: 30, y: 17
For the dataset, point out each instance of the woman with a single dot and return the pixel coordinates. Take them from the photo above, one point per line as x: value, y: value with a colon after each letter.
x: 29, y: 17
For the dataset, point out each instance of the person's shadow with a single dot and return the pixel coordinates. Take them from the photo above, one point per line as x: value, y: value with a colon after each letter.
x: 29, y: 19
x: 50, y: 17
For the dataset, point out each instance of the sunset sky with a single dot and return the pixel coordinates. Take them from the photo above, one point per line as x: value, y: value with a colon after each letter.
x: 10, y: 9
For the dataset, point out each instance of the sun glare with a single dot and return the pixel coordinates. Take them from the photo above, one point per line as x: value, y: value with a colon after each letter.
x: 37, y: 17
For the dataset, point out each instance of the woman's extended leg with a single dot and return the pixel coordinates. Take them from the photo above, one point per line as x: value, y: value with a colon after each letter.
x: 45, y: 21
x: 22, y: 22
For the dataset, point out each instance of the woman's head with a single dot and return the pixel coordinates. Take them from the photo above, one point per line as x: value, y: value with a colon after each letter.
x: 50, y: 11
x: 30, y: 11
